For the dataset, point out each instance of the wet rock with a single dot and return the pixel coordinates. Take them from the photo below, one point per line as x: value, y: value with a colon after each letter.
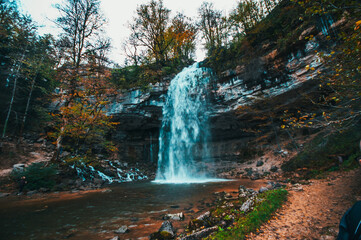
x: 31, y: 193
x: 249, y: 171
x: 98, y: 181
x: 274, y: 169
x: 115, y: 238
x: 174, y: 206
x: 256, y: 176
x: 204, y: 216
x: 274, y: 185
x: 134, y: 219
x: 327, y: 237
x: 123, y: 229
x: 201, y: 234
x: 201, y: 221
x: 176, y: 217
x: 297, y: 187
x: 246, y: 192
x: 228, y: 196
x: 78, y: 182
x: 70, y: 182
x: 106, y: 190
x: 4, y: 194
x: 43, y: 190
x: 166, y: 231
x: 64, y: 154
x: 18, y: 167
x: 259, y: 163
x: 263, y: 189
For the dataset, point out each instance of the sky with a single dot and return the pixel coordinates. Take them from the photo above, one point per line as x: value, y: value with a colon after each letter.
x: 119, y: 13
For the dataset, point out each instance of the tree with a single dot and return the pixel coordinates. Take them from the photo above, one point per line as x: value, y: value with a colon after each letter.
x: 149, y: 30
x: 21, y: 50
x: 247, y: 15
x: 182, y: 35
x: 83, y: 52
x: 213, y: 26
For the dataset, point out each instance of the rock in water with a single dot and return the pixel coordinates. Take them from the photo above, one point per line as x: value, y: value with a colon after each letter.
x: 122, y: 229
x: 166, y: 231
x: 176, y: 216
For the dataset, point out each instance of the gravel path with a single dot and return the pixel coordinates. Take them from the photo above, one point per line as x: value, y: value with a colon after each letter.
x: 314, y: 211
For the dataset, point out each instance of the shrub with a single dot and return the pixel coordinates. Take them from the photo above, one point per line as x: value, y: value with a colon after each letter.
x: 37, y: 176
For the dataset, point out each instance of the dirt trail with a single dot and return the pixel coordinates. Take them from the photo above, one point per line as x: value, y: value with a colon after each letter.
x: 314, y: 211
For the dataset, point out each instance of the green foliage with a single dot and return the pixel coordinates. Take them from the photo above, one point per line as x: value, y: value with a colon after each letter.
x: 262, y: 212
x: 141, y: 76
x: 280, y: 28
x: 37, y: 176
x: 26, y: 71
x: 322, y: 152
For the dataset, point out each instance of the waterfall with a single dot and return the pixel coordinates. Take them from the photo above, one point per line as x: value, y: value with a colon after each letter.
x: 184, y: 132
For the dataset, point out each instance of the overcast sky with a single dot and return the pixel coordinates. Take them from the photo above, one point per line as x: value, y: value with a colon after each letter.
x: 118, y: 13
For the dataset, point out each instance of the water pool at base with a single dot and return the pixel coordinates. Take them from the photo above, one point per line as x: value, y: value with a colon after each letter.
x: 90, y: 216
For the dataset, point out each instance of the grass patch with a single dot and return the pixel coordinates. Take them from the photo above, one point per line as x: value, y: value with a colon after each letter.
x: 262, y: 212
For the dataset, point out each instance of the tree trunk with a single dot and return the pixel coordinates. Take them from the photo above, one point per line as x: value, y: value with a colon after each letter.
x: 13, y: 95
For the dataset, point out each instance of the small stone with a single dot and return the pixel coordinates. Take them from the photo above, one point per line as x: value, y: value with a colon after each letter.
x: 259, y: 163
x: 274, y: 169
x: 327, y: 237
x: 263, y: 189
x: 64, y: 154
x: 176, y: 217
x: 31, y: 193
x: 43, y: 190
x: 255, y: 176
x: 115, y: 238
x: 134, y: 219
x: 247, y: 206
x: 122, y: 229
x: 4, y: 195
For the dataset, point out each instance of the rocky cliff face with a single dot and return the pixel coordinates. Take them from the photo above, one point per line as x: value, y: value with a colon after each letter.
x: 270, y: 81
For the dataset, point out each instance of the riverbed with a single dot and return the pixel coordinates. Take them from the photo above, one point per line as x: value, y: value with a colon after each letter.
x: 97, y: 214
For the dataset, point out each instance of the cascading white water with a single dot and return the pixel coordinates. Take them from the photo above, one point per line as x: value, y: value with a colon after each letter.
x: 184, y: 129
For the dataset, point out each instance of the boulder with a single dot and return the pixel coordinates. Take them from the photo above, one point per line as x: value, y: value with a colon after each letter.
x: 18, y: 167
x: 263, y: 189
x: 259, y: 163
x: 247, y: 205
x: 246, y: 192
x: 122, y: 229
x: 31, y: 193
x: 166, y: 231
x: 274, y: 169
x: 201, y: 234
x: 4, y: 194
